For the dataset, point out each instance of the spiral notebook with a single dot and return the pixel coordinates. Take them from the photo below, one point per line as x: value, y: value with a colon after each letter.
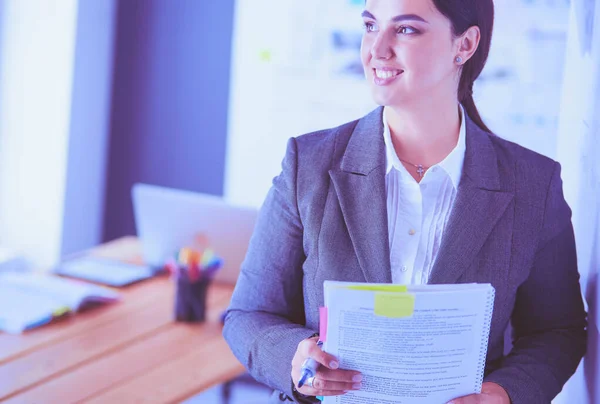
x: 413, y: 344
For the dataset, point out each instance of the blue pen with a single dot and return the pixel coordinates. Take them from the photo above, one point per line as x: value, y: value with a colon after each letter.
x: 309, y: 368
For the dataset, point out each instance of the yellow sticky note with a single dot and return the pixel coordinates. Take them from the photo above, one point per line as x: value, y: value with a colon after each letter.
x: 380, y: 288
x: 394, y: 305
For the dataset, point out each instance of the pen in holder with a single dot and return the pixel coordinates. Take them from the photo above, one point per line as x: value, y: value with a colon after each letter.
x: 193, y: 271
x: 190, y: 299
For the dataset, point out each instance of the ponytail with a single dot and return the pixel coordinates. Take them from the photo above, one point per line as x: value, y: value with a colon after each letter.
x: 462, y: 15
x: 466, y: 99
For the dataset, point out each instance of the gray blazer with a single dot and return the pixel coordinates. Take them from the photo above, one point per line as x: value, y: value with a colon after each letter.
x: 325, y: 217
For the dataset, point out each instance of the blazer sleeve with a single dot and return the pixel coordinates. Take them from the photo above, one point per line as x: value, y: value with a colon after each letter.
x: 265, y: 320
x: 549, y: 319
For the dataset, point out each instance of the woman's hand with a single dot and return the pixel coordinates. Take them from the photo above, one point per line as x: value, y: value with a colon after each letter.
x: 491, y: 393
x: 329, y: 381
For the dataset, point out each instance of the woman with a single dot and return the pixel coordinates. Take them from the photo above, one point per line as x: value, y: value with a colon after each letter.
x: 418, y: 191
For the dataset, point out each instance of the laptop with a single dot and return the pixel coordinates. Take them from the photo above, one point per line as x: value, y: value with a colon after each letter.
x: 167, y: 219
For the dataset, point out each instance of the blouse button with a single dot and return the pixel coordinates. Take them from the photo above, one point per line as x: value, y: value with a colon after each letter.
x: 404, y: 268
x: 412, y: 232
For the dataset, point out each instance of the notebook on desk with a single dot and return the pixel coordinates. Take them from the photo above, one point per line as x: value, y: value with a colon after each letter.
x: 29, y: 300
x: 105, y: 271
x: 167, y: 219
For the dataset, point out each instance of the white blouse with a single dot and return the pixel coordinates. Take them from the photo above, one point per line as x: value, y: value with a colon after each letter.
x: 418, y: 211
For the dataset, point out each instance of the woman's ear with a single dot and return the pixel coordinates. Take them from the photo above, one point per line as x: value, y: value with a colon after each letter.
x: 467, y: 43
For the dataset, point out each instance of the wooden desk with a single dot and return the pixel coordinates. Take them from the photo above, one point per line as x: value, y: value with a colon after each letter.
x: 130, y: 351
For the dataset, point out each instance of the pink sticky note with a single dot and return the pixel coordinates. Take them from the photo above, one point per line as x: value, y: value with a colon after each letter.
x: 323, y: 323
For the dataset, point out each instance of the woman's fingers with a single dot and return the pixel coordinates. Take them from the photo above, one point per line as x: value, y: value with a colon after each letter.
x: 339, y: 375
x: 329, y: 382
x: 326, y: 393
x: 324, y: 384
x: 309, y: 349
x: 327, y: 379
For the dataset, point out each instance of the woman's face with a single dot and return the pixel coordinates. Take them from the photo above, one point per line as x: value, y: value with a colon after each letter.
x: 407, y: 51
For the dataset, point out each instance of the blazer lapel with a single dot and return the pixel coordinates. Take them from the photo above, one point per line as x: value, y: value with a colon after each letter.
x: 360, y: 187
x: 479, y: 204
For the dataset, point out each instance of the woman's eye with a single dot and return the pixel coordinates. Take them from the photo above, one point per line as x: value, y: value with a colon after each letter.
x: 407, y: 30
x: 369, y: 27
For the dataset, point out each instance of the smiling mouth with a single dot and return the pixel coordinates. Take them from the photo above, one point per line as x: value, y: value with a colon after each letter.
x: 386, y: 74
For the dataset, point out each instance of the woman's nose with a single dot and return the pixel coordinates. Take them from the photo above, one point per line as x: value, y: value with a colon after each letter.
x: 381, y: 48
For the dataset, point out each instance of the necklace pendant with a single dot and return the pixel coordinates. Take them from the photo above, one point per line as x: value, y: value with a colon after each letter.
x: 420, y: 170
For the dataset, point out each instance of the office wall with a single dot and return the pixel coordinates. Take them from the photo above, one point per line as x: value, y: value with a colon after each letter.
x: 170, y: 99
x: 579, y: 154
x: 89, y: 127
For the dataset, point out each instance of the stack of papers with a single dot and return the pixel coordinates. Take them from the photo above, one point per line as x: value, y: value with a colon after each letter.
x: 29, y: 300
x: 413, y: 344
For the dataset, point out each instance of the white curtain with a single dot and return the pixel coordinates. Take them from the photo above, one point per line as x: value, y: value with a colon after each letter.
x: 36, y: 70
x: 578, y: 151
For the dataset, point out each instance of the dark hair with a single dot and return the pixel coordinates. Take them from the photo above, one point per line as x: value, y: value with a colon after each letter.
x: 464, y: 14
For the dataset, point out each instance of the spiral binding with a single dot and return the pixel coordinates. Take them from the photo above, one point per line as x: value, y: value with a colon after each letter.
x: 487, y: 323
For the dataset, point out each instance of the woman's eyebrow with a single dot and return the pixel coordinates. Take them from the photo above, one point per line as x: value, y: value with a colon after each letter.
x: 398, y: 18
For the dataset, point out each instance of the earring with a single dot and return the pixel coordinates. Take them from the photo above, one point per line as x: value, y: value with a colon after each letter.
x: 458, y: 59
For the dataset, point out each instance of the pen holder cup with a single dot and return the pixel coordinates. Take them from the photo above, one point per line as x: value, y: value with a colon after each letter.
x: 190, y: 299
